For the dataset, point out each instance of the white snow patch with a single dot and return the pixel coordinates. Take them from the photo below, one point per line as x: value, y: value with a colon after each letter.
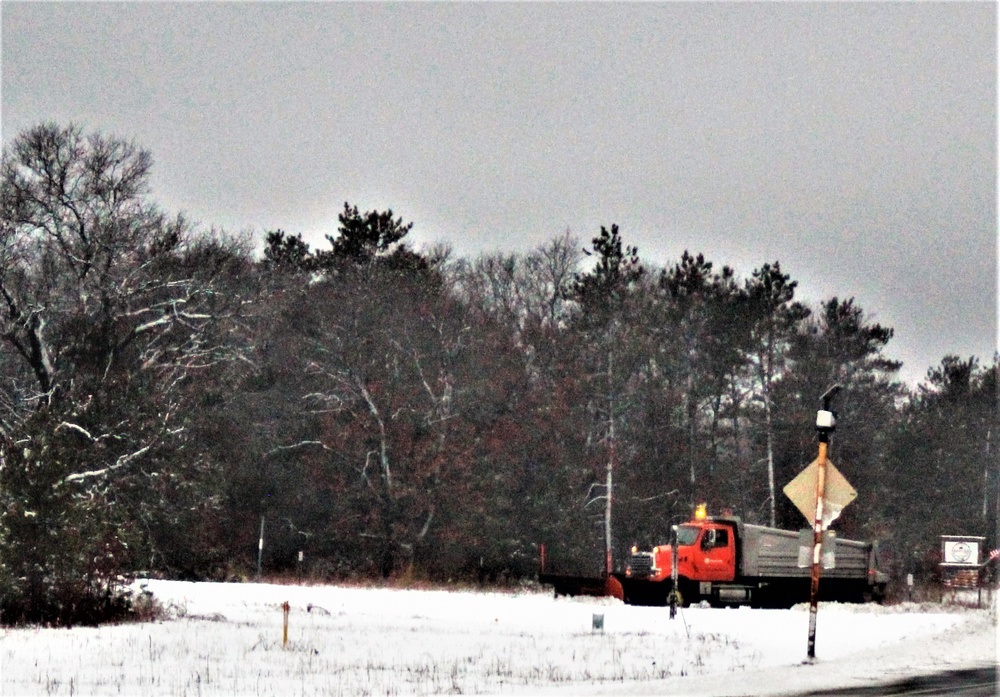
x: 227, y: 639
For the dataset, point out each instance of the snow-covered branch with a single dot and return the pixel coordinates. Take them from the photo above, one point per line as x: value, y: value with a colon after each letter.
x: 75, y: 427
x: 121, y: 462
x: 300, y: 444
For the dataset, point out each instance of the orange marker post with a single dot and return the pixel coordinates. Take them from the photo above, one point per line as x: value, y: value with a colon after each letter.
x: 284, y: 636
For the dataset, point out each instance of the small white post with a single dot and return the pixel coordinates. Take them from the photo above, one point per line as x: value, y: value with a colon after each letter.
x: 260, y: 547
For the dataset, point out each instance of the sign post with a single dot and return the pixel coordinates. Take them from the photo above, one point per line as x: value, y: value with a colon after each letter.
x: 818, y: 529
x: 820, y: 492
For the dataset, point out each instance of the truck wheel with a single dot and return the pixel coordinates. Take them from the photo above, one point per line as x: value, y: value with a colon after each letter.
x: 875, y: 594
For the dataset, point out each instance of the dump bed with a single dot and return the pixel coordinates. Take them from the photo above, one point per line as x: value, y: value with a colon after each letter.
x: 769, y: 552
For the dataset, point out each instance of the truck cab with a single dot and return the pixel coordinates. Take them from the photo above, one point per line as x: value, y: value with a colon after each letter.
x: 706, y: 551
x: 714, y: 556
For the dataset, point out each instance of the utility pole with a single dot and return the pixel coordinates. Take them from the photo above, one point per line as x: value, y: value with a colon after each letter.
x: 826, y: 423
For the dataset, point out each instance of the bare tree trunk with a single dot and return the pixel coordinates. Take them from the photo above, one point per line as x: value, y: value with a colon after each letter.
x: 766, y: 381
x: 986, y: 477
x: 383, y: 437
x: 691, y: 412
x: 738, y: 449
x: 770, y: 456
x: 608, y: 482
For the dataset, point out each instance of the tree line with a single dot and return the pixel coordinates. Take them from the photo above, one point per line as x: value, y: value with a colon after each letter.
x: 393, y: 412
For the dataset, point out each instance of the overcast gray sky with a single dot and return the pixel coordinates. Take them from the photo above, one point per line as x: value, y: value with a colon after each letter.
x: 854, y: 143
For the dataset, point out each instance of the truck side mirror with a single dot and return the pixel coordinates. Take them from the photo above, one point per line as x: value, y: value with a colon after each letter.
x: 708, y: 541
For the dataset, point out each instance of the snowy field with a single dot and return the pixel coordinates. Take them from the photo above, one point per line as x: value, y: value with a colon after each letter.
x: 226, y: 639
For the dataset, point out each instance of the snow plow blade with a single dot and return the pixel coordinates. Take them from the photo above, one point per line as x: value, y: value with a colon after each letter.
x: 583, y: 585
x: 573, y: 585
x: 637, y: 591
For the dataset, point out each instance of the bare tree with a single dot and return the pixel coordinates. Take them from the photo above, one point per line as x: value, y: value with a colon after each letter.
x: 107, y: 308
x: 549, y: 273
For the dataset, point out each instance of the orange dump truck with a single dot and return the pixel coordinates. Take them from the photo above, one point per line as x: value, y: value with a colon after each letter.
x: 726, y: 562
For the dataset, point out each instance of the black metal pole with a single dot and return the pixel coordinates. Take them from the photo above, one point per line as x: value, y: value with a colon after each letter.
x: 673, y: 573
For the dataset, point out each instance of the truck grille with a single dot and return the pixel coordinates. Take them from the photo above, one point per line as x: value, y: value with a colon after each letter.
x: 641, y: 564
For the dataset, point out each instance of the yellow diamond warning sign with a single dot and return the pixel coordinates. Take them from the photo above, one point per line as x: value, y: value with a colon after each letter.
x: 837, y: 492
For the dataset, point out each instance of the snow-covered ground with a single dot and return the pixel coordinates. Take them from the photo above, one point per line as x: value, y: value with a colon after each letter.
x: 226, y: 639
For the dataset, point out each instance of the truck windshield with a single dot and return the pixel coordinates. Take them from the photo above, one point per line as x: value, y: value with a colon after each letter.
x: 687, y: 534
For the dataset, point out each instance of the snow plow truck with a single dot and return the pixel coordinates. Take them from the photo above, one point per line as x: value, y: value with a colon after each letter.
x: 725, y: 562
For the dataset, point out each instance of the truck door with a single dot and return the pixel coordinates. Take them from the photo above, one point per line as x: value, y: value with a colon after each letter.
x: 717, y: 555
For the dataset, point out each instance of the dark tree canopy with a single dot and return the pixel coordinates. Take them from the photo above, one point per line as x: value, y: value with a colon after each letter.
x: 401, y: 413
x: 362, y: 237
x: 615, y: 273
x: 363, y: 241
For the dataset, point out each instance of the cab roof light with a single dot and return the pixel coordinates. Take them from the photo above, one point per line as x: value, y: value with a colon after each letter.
x: 701, y: 511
